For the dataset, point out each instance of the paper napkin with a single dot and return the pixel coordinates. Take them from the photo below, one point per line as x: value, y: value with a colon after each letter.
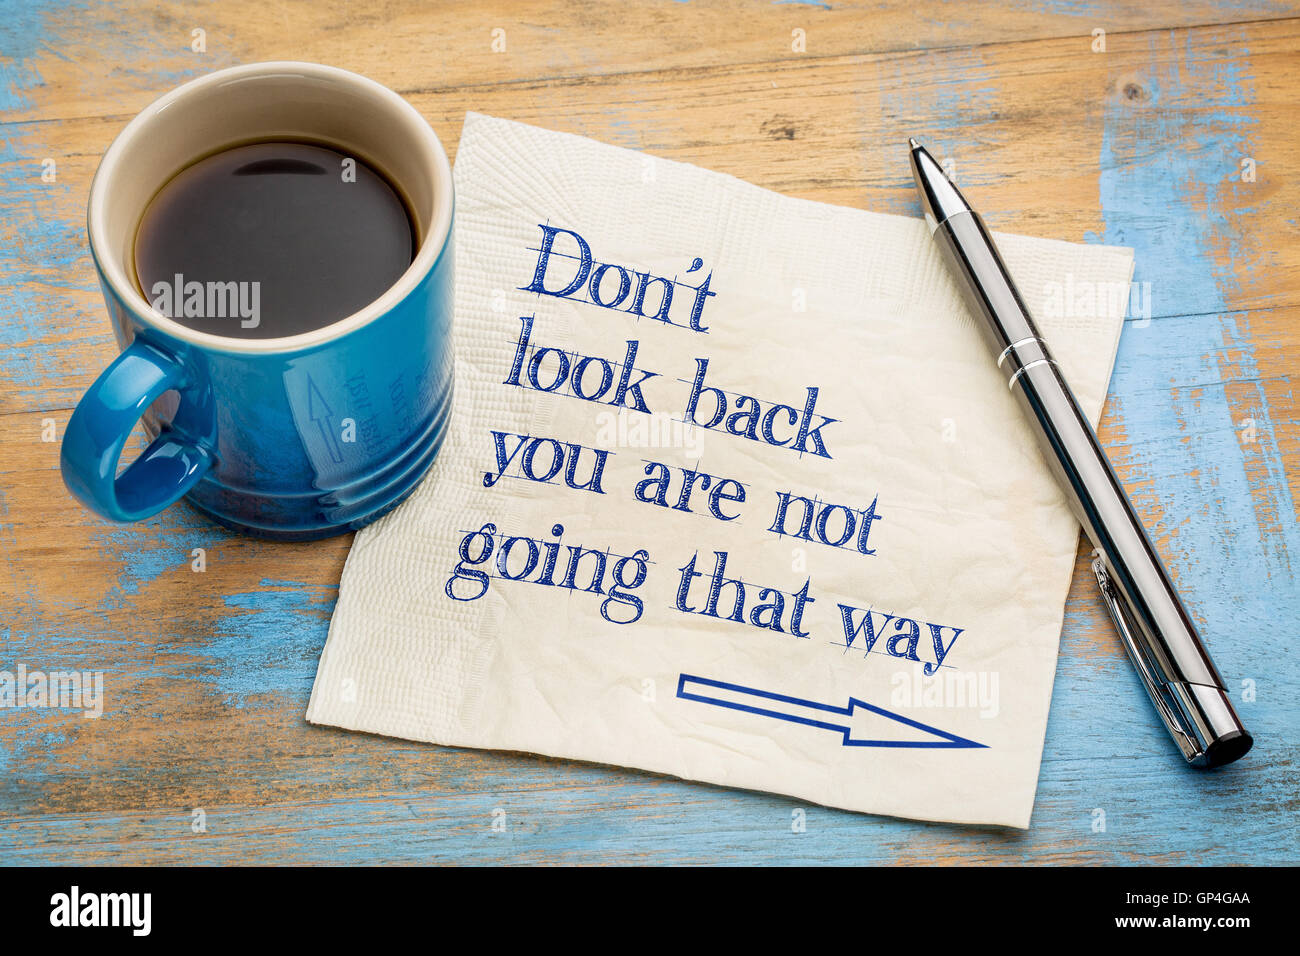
x: 734, y: 493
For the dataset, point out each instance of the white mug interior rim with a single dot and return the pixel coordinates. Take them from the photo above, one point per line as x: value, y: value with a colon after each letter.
x: 294, y: 100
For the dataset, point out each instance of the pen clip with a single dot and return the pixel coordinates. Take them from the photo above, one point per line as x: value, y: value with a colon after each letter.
x: 1166, y: 706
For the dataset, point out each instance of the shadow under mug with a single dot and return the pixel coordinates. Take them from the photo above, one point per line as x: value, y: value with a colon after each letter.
x: 289, y: 438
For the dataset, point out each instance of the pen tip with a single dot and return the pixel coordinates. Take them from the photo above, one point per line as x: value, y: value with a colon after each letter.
x: 912, y: 143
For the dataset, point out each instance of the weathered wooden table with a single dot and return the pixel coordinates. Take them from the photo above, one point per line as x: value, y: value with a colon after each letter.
x: 1168, y: 127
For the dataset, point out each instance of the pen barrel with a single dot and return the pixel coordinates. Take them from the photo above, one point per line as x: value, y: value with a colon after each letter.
x: 1174, y: 662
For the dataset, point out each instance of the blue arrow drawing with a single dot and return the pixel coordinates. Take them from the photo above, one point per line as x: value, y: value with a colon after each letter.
x: 812, y: 714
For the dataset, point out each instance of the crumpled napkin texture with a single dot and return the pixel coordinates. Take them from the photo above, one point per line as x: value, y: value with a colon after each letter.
x: 854, y: 702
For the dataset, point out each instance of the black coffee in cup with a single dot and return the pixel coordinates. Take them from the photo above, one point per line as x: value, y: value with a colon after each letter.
x: 272, y: 239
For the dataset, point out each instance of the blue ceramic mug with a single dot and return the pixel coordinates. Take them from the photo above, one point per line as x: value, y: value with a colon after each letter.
x: 289, y: 438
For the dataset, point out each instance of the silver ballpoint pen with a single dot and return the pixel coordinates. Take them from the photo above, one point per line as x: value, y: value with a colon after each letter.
x: 1153, y: 625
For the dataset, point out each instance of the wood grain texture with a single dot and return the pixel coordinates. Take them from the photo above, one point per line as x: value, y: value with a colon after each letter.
x: 207, y: 675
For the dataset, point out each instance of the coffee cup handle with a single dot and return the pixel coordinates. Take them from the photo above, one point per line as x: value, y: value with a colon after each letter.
x: 101, y: 424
